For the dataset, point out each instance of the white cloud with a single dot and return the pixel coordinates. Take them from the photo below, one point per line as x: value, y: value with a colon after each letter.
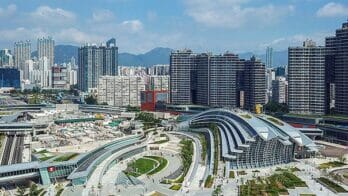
x: 47, y: 16
x: 332, y: 10
x: 103, y: 15
x: 73, y: 35
x: 294, y: 40
x: 64, y: 35
x: 133, y: 26
x: 8, y: 11
x: 21, y: 33
x: 234, y: 13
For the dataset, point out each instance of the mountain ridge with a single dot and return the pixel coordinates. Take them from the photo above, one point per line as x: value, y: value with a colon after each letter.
x: 158, y: 55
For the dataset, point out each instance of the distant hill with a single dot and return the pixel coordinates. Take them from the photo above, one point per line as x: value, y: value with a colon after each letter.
x: 63, y: 54
x: 159, y: 55
x: 154, y: 56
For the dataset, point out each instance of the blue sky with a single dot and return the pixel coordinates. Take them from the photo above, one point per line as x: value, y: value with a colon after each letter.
x: 202, y: 25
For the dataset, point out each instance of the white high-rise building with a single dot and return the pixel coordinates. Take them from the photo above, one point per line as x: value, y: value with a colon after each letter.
x: 95, y: 62
x: 120, y: 90
x: 73, y: 62
x: 6, y: 58
x: 35, y: 76
x: 159, y: 83
x: 270, y: 77
x: 306, y: 76
x: 279, y: 90
x: 269, y: 57
x: 29, y: 66
x: 158, y: 70
x: 22, y: 53
x: 45, y: 73
x: 72, y: 77
x: 45, y: 48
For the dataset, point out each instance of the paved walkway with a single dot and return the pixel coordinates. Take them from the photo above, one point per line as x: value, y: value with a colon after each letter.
x: 151, y: 184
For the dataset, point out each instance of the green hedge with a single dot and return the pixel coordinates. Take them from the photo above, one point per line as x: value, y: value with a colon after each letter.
x: 331, y: 164
x: 216, y: 135
x: 186, y: 154
x: 175, y: 187
x: 332, y: 185
x: 209, y: 182
x: 204, y: 146
x: 231, y: 174
x: 276, y: 121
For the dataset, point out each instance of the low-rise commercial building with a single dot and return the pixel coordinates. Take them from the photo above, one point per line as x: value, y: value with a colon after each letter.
x: 10, y: 77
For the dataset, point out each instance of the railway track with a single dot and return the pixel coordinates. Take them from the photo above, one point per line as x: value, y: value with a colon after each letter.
x: 7, y: 152
x: 13, y: 150
x: 18, y: 150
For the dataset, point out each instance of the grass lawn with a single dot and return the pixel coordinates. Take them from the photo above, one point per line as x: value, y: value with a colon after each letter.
x: 66, y: 157
x: 247, y: 116
x: 140, y: 166
x: 331, y: 164
x: 163, y: 163
x: 41, y: 151
x: 175, y: 187
x: 276, y: 121
x: 45, y: 158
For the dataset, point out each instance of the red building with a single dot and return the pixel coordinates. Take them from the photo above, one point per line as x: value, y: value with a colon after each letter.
x: 152, y: 100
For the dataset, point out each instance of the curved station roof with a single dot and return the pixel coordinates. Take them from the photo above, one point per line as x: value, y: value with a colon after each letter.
x: 238, y: 129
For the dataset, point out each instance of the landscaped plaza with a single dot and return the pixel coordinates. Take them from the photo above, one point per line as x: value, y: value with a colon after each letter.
x: 229, y: 152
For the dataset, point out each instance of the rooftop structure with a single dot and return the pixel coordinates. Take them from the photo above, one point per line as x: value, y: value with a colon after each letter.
x: 249, y: 141
x: 77, y: 170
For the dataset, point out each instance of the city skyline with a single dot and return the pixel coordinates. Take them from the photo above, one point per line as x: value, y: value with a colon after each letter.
x: 175, y: 24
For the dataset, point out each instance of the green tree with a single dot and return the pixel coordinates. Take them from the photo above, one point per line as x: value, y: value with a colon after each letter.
x: 20, y: 191
x: 35, y: 190
x: 275, y: 108
x: 342, y: 159
x: 91, y: 100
